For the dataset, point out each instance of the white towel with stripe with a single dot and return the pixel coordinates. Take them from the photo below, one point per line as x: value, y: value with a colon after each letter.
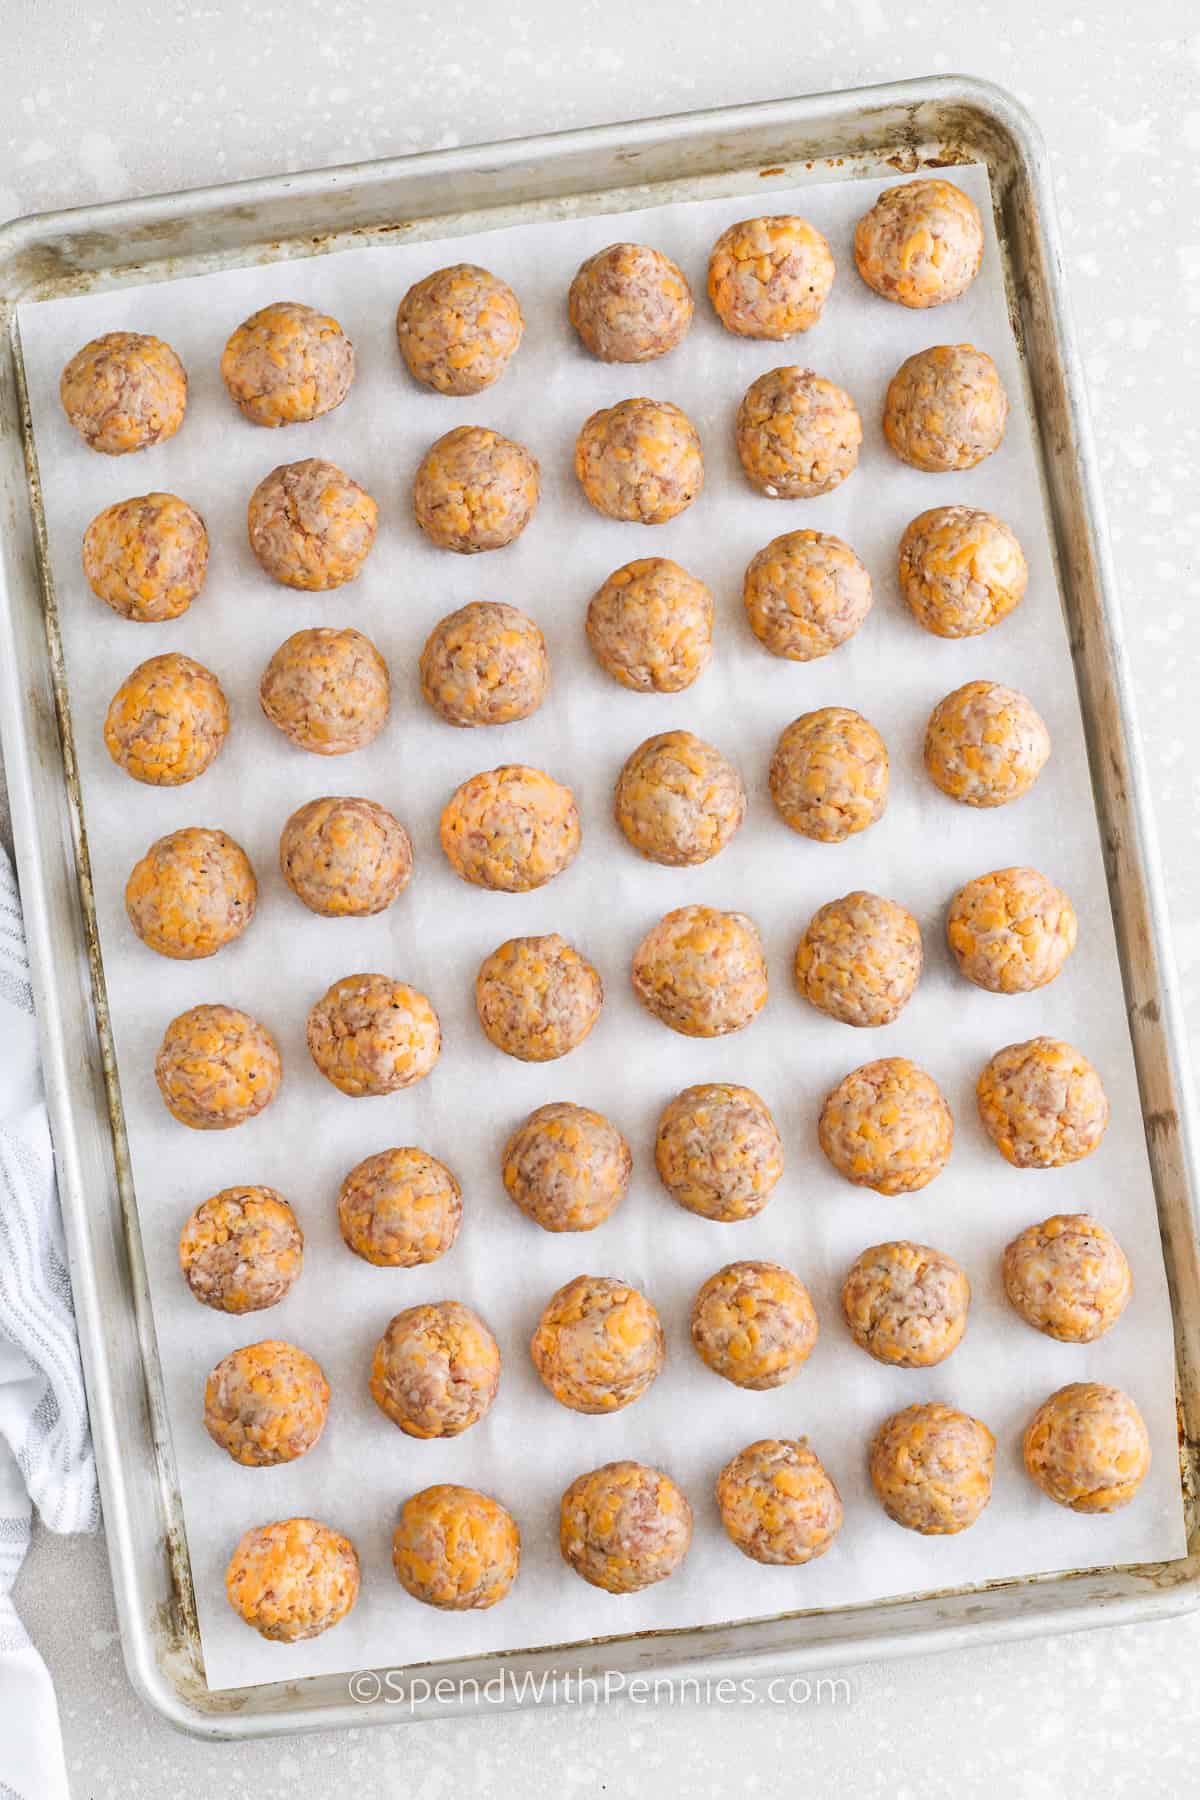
x: 45, y: 1448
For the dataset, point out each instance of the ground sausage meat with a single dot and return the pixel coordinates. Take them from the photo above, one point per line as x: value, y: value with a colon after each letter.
x: 286, y: 364
x: 567, y: 1167
x: 266, y: 1403
x: 146, y: 557
x: 770, y: 277
x: 718, y: 1152
x: 399, y: 1209
x: 485, y: 664
x: 1011, y: 931
x: 678, y: 800
x: 537, y: 997
x: 985, y: 744
x: 436, y: 1370
x: 292, y: 1579
x: 887, y: 1126
x: 124, y: 391
x: 640, y: 461
x: 805, y: 593
x: 598, y: 1344
x: 931, y: 1468
x: 510, y: 829
x: 1068, y: 1278
x: 624, y: 1527
x: 455, y: 1548
x: 906, y: 1304
x: 310, y: 526
x: 370, y: 1035
x: 797, y: 434
x: 754, y: 1324
x: 921, y: 243
x: 242, y: 1250
x: 777, y: 1503
x: 650, y: 626
x: 1042, y: 1104
x: 860, y: 959
x: 459, y: 328
x: 217, y: 1067
x: 328, y: 690
x: 630, y: 304
x: 961, y: 571
x: 475, y: 490
x: 829, y: 774
x: 1087, y: 1447
x: 167, y: 721
x: 946, y: 408
x: 192, y: 893
x: 345, y: 858
x: 701, y: 971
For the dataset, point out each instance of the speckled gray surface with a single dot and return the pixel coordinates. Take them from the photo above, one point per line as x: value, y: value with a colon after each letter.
x: 193, y: 94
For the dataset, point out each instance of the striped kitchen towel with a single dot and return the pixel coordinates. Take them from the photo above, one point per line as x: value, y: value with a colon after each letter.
x: 45, y: 1448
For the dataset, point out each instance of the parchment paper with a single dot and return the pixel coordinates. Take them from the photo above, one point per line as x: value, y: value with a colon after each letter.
x: 529, y: 1448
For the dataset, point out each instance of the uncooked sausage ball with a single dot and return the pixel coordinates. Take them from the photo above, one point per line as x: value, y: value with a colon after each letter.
x: 805, y: 593
x: 310, y: 526
x: 906, y: 1304
x: 327, y: 690
x: 370, y: 1035
x: 985, y: 744
x: 1042, y: 1104
x: 475, y: 490
x: 754, y: 1324
x: 961, y: 571
x: 292, y: 1579
x: 777, y: 1503
x: 829, y: 774
x: 345, y: 858
x: 537, y: 997
x: 217, y: 1067
x: 946, y: 408
x: 266, y: 1404
x: 640, y: 461
x: 287, y: 364
x: 860, y: 959
x: 701, y: 971
x: 1068, y: 1278
x: 931, y: 1468
x: 886, y: 1126
x: 242, y: 1250
x: 485, y: 664
x: 510, y: 829
x: 598, y: 1344
x: 920, y: 244
x: 192, y: 893
x: 630, y: 304
x: 458, y: 329
x: 455, y: 1548
x: 1087, y: 1447
x: 566, y: 1167
x: 678, y: 800
x: 797, y: 434
x: 624, y: 1527
x: 650, y: 626
x: 718, y: 1151
x: 1011, y: 931
x: 146, y: 557
x: 124, y: 391
x: 436, y: 1370
x: 399, y: 1209
x: 770, y: 277
x: 167, y: 721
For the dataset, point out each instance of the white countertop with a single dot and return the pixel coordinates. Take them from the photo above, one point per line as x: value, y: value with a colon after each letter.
x: 124, y: 98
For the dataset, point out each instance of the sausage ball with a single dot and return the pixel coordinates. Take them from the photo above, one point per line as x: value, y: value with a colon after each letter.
x: 1042, y: 1104
x: 345, y: 858
x: 475, y: 490
x: 242, y: 1250
x: 146, y: 557
x: 399, y: 1209
x: 216, y: 1067
x: 266, y: 1403
x: 566, y: 1167
x: 328, y: 690
x: 371, y: 1035
x: 777, y: 1503
x: 292, y: 1579
x: 310, y: 526
x: 537, y: 997
x: 805, y: 593
x: 754, y: 1324
x: 920, y: 244
x: 1068, y: 1278
x: 510, y: 829
x: 678, y: 800
x: 701, y: 971
x: 458, y: 329
x: 455, y: 1548
x: 797, y: 434
x: 946, y: 408
x: 167, y: 721
x: 860, y: 959
x: 887, y: 1126
x: 124, y: 391
x: 624, y: 1526
x: 906, y: 1304
x: 650, y: 626
x: 1087, y: 1447
x: 829, y: 774
x: 485, y: 664
x: 1011, y: 931
x: 192, y: 893
x: 718, y: 1152
x: 630, y: 304
x: 931, y: 1468
x: 770, y: 277
x: 435, y: 1370
x: 640, y: 461
x: 961, y: 570
x: 985, y: 744
x: 598, y: 1344
x: 286, y: 364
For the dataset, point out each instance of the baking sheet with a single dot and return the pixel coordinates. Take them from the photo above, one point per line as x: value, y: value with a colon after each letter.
x: 529, y: 1448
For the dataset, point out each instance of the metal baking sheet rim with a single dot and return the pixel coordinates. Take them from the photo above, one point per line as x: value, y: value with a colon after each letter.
x: 906, y: 125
